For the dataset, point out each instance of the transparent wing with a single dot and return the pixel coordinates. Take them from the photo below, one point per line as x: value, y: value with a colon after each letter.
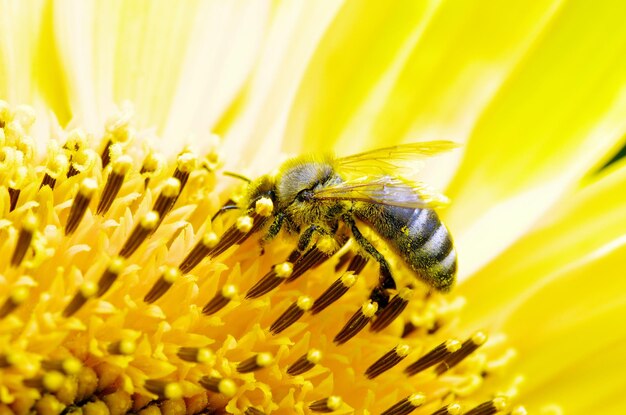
x: 401, y: 160
x: 384, y: 190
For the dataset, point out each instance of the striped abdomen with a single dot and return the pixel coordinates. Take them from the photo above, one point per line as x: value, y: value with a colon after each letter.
x: 418, y: 237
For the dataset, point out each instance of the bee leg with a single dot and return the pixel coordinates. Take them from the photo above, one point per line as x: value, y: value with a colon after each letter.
x: 273, y: 229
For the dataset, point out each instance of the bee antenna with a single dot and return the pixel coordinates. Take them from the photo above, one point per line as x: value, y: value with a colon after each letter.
x: 224, y: 209
x: 237, y: 176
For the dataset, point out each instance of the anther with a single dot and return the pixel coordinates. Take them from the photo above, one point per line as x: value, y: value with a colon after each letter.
x: 406, y: 405
x: 121, y: 166
x: 14, y: 195
x: 356, y: 322
x: 16, y: 298
x: 330, y: 404
x: 164, y: 389
x: 199, y: 252
x: 82, y: 160
x: 169, y: 193
x: 395, y: 307
x: 221, y: 299
x: 255, y: 363
x: 253, y: 411
x: 29, y: 226
x: 311, y: 259
x: 56, y: 168
x: 271, y: 280
x: 165, y: 281
x: 108, y: 277
x: 264, y: 206
x: 124, y: 347
x: 305, y: 362
x: 490, y: 407
x: 292, y: 314
x: 196, y: 354
x: 50, y: 381
x: 141, y: 231
x: 334, y: 292
x: 452, y: 409
x: 80, y: 204
x: 186, y: 163
x: 388, y: 360
x: 433, y: 357
x: 468, y: 346
x: 152, y: 164
x: 216, y: 384
x: 87, y: 290
x: 69, y: 365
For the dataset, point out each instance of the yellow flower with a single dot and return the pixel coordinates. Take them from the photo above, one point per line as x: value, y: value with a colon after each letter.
x: 109, y: 304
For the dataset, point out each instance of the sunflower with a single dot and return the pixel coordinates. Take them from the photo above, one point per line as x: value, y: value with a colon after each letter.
x: 121, y: 290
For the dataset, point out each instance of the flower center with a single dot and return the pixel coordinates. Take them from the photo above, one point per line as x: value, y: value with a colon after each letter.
x: 121, y: 291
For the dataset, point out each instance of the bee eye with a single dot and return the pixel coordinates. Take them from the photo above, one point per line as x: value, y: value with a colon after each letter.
x: 305, y: 195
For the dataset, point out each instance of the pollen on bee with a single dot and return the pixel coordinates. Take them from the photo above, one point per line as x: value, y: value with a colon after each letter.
x: 264, y: 206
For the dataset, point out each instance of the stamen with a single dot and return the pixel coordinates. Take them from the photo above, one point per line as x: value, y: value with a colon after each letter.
x: 395, y: 307
x: 87, y: 290
x: 221, y: 299
x: 124, y: 347
x: 452, y: 409
x: 121, y: 166
x: 468, y: 346
x: 343, y: 260
x: 389, y: 360
x: 165, y: 389
x: 81, y: 161
x: 199, y: 252
x: 115, y: 268
x: 69, y: 365
x: 253, y: 411
x: 407, y: 405
x: 29, y: 226
x: 292, y: 314
x: 80, y: 204
x: 50, y: 381
x: 255, y: 363
x: 433, y: 357
x: 216, y: 384
x: 56, y: 168
x: 271, y: 280
x: 186, y: 163
x: 356, y: 322
x: 169, y: 193
x: 334, y: 292
x: 489, y: 407
x: 140, y: 233
x: 330, y: 404
x: 152, y: 165
x: 305, y: 362
x: 16, y: 298
x: 311, y: 259
x: 169, y: 275
x: 196, y: 354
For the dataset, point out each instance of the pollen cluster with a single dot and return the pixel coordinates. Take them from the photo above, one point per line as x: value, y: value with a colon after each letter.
x: 119, y: 292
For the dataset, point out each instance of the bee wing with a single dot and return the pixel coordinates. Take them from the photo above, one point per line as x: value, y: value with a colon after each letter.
x: 403, y: 159
x: 384, y: 190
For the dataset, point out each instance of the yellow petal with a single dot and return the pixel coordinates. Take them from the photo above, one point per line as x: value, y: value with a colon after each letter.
x: 571, y: 333
x: 559, y: 113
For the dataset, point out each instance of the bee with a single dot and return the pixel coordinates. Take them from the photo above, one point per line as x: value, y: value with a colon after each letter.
x: 314, y: 197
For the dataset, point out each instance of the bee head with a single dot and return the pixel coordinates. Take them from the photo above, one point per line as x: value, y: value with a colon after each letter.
x: 300, y: 177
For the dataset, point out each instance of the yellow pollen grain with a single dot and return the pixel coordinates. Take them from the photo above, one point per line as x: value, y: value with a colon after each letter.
x: 127, y: 347
x: 150, y: 220
x: 403, y: 350
x: 500, y: 403
x: 264, y: 206
x: 88, y: 187
x: 20, y: 294
x: 369, y: 309
x: 171, y: 187
x: 173, y: 390
x: 116, y: 266
x: 88, y: 289
x: 453, y: 345
x: 334, y: 402
x: 57, y: 166
x: 416, y: 399
x: 304, y: 303
x: 314, y: 356
x: 52, y: 381
x: 122, y: 164
x: 227, y: 388
x: 171, y: 274
x: 264, y: 359
x: 348, y: 279
x: 244, y: 224
x: 71, y: 366
x: 210, y: 239
x: 479, y: 338
x: 229, y: 291
x: 283, y: 270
